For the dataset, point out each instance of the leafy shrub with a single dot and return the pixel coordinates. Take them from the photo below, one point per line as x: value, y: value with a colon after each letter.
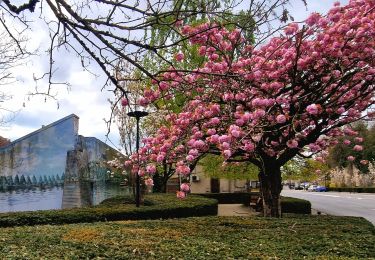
x: 230, y: 198
x: 294, y: 205
x: 288, y: 205
x: 353, y: 189
x: 156, y: 206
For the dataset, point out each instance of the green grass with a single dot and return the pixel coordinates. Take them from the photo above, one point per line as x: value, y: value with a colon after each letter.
x: 292, y: 237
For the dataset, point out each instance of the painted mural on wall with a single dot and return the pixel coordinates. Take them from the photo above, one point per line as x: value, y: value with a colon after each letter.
x: 39, y: 158
x: 55, y: 155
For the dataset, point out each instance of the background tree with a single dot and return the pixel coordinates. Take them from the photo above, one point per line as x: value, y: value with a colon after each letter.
x: 214, y: 166
x: 305, y: 170
x: 364, y: 152
x: 273, y: 102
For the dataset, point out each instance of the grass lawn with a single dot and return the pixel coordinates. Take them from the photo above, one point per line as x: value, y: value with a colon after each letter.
x: 292, y: 237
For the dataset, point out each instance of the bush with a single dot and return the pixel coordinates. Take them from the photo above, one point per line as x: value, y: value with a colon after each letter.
x: 230, y: 198
x: 294, y: 205
x: 288, y: 205
x: 353, y: 189
x: 156, y: 206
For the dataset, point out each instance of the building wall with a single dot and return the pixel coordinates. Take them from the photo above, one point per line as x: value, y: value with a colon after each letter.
x: 204, y: 183
x: 53, y: 153
x: 41, y: 153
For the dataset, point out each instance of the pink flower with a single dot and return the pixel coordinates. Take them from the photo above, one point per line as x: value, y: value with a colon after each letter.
x: 160, y: 158
x: 149, y: 182
x: 249, y: 147
x: 280, y: 119
x: 151, y: 169
x: 202, y: 50
x: 291, y: 28
x: 313, y: 19
x: 181, y: 195
x: 292, y: 143
x: 124, y: 102
x: 346, y: 142
x: 227, y: 153
x: 341, y: 110
x: 358, y: 139
x: 128, y: 163
x: 350, y: 158
x: 163, y: 86
x: 185, y: 187
x: 211, y: 131
x: 179, y: 56
x: 236, y: 133
x: 358, y: 148
x: 312, y: 109
x: 364, y: 162
x: 183, y: 170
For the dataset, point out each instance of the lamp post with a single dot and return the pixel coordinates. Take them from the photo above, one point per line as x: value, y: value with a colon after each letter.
x: 137, y: 115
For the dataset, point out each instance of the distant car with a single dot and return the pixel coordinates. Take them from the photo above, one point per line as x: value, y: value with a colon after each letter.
x: 298, y: 187
x: 312, y: 188
x: 321, y: 188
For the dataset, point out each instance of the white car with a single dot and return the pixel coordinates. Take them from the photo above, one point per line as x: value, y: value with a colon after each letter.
x: 312, y: 188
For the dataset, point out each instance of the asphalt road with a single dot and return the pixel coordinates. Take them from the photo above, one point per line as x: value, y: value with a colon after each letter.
x: 338, y: 203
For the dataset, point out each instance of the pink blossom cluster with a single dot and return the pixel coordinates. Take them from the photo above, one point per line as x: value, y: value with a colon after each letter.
x: 291, y: 94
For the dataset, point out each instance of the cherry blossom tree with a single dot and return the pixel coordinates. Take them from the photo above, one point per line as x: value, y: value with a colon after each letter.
x: 265, y: 105
x: 106, y: 32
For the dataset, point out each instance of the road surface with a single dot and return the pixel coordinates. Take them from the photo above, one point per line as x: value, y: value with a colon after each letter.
x: 338, y: 203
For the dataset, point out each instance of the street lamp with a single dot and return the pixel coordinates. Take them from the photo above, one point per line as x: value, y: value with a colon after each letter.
x: 137, y: 115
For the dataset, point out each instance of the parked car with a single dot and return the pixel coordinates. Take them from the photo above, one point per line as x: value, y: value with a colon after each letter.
x: 312, y: 188
x: 298, y: 187
x: 321, y: 188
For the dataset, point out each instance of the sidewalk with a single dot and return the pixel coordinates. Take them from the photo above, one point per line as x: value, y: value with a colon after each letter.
x: 235, y: 210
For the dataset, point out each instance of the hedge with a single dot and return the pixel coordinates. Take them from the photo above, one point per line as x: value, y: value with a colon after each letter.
x: 156, y: 206
x: 294, y: 205
x: 230, y: 198
x: 288, y: 205
x: 353, y: 189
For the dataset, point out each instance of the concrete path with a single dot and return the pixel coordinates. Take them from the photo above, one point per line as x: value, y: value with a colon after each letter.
x: 235, y: 210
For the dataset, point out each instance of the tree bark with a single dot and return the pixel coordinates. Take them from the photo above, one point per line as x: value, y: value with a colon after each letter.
x: 270, y: 188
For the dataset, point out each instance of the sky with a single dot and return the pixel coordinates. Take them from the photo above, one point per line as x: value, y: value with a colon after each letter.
x: 84, y: 96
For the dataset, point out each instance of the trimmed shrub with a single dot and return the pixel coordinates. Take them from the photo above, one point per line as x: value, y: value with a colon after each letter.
x: 294, y: 205
x: 353, y: 189
x: 288, y: 205
x: 156, y: 206
x: 230, y: 198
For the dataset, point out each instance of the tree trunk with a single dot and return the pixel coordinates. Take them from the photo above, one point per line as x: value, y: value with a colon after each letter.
x: 160, y: 183
x: 270, y: 188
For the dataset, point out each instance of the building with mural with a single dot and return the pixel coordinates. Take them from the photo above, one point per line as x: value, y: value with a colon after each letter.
x: 56, y: 155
